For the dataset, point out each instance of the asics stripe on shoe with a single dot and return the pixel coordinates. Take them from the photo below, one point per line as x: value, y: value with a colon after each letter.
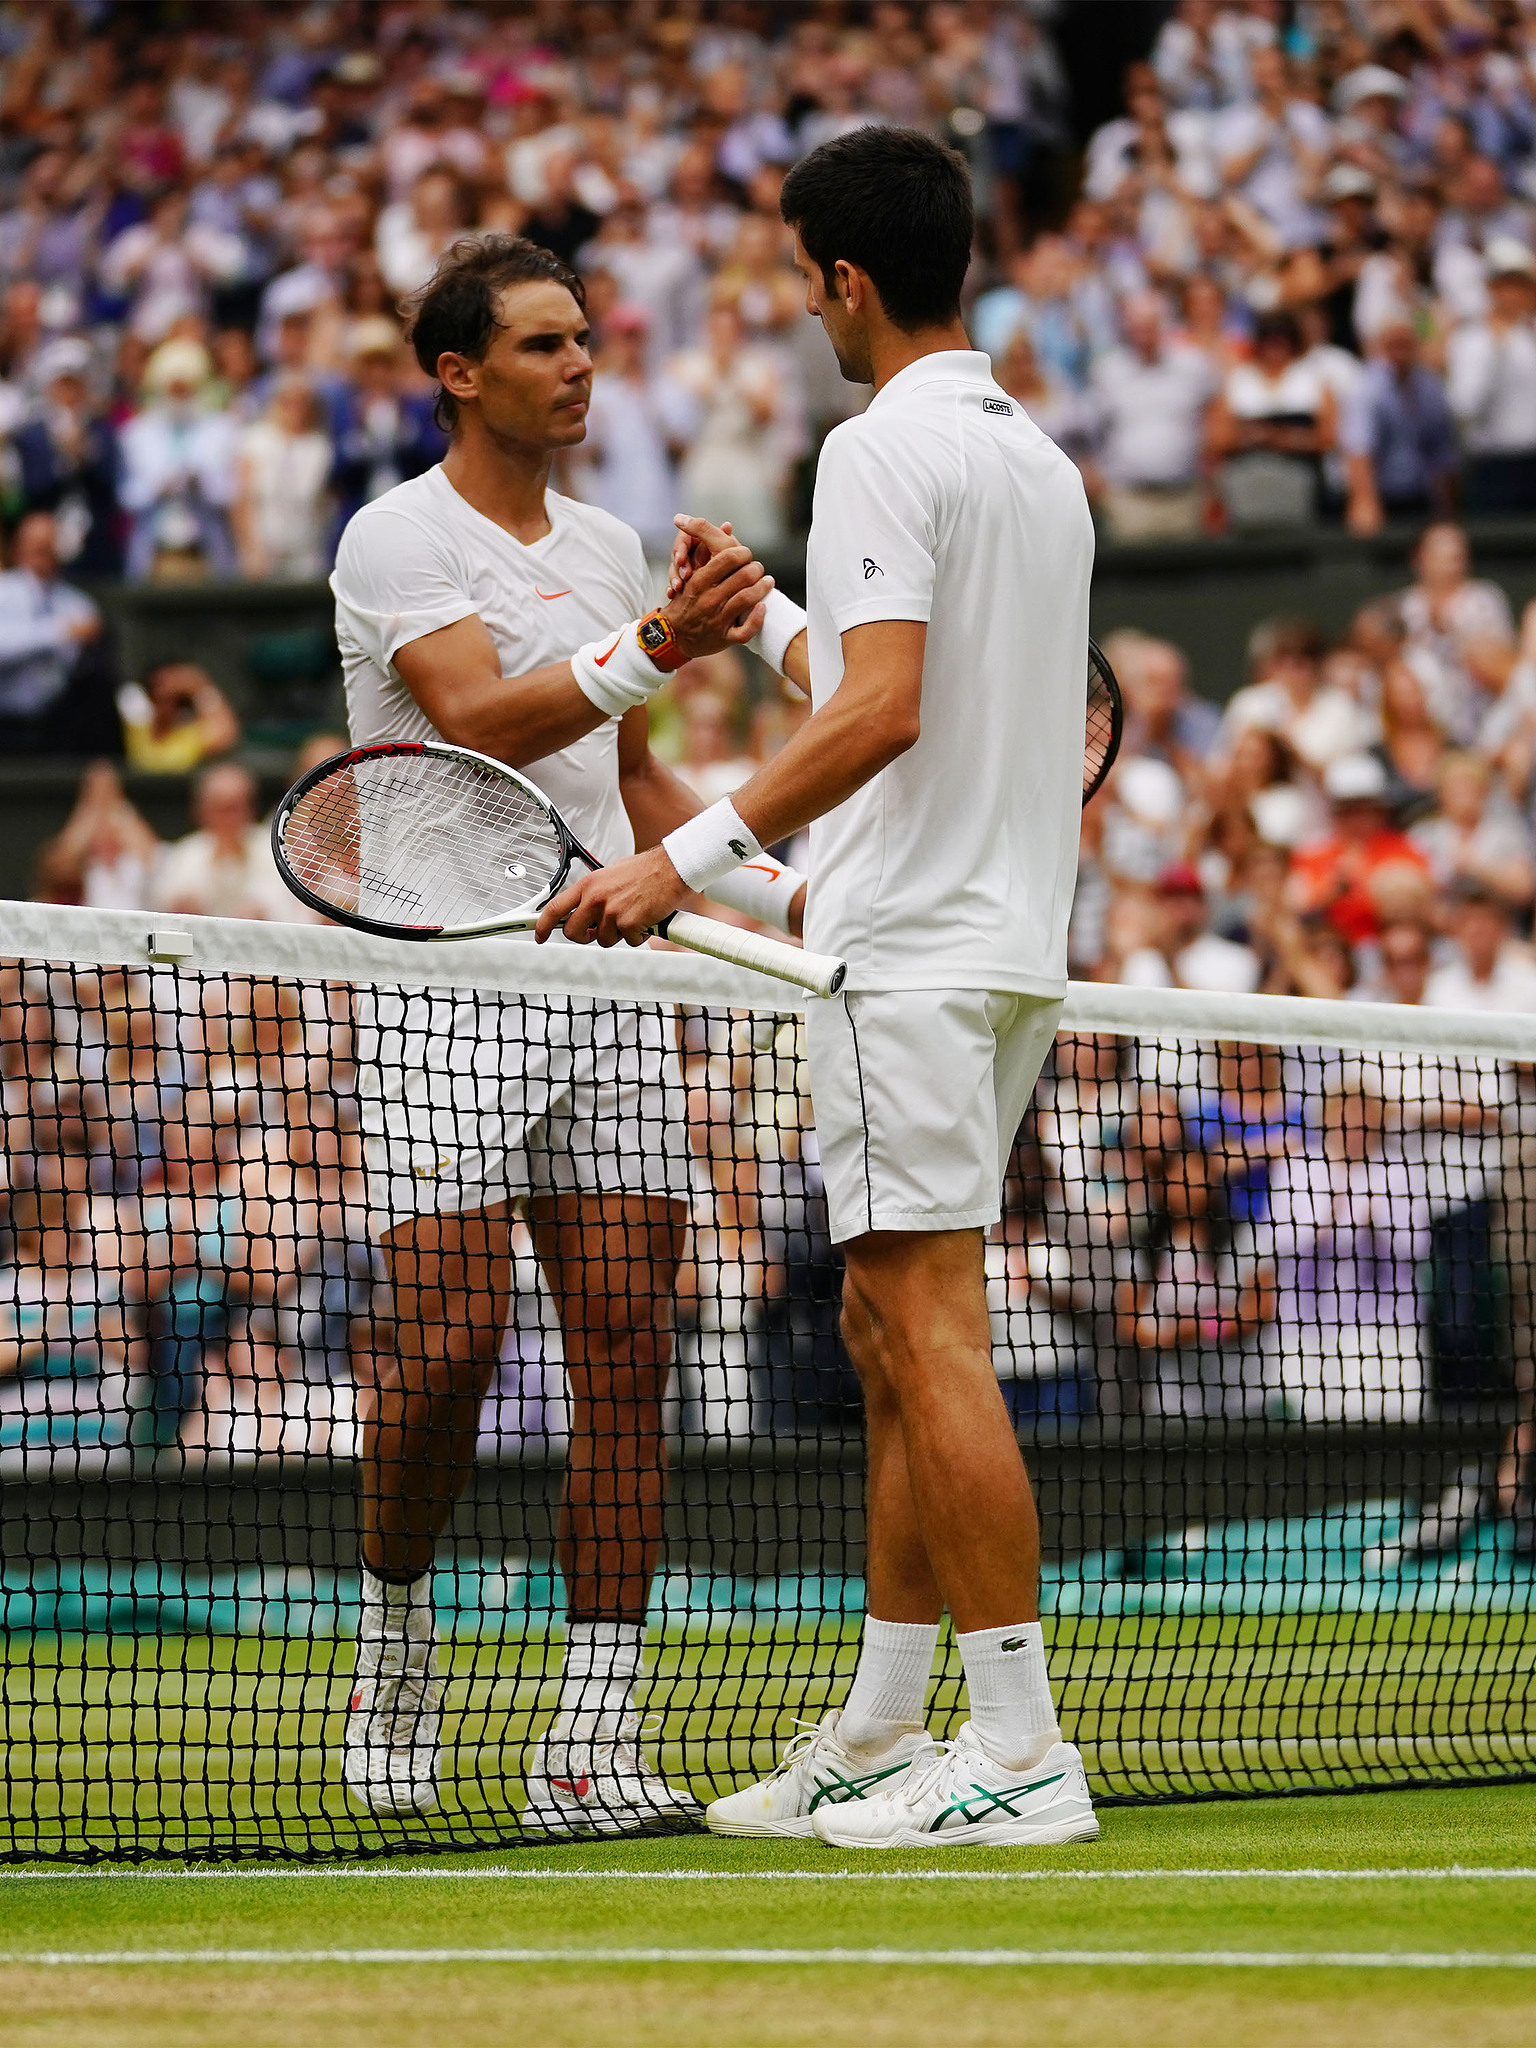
x: 955, y: 1796
x: 815, y: 1771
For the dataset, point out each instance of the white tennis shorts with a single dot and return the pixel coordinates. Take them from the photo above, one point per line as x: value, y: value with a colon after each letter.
x: 919, y: 1094
x: 471, y: 1101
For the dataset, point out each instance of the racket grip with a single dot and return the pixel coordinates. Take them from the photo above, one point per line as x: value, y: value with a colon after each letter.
x: 818, y: 972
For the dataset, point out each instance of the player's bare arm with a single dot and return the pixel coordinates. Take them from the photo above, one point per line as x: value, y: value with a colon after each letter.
x: 873, y: 717
x: 657, y: 801
x: 455, y: 676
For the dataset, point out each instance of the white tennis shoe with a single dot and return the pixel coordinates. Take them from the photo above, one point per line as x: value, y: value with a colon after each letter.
x: 955, y: 1796
x: 389, y: 1752
x: 815, y: 1772
x: 602, y: 1783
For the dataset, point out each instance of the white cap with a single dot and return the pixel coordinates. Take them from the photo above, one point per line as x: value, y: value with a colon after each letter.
x: 69, y: 356
x: 1279, y: 814
x: 1348, y: 181
x: 1506, y: 256
x: 1367, y: 82
x: 1355, y: 778
x: 1150, y: 790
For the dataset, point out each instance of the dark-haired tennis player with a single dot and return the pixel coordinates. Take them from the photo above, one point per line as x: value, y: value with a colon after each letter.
x: 476, y: 605
x: 945, y: 647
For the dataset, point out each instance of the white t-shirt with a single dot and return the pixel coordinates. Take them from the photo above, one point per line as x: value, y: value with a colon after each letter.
x: 954, y: 867
x: 421, y: 557
x: 1152, y: 414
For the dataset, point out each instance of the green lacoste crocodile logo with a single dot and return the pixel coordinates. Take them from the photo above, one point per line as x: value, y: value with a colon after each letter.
x: 989, y: 1802
x: 841, y: 1790
x: 1014, y: 1643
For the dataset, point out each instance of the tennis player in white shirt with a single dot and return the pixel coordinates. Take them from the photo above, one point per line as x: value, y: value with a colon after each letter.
x: 476, y: 605
x: 945, y: 649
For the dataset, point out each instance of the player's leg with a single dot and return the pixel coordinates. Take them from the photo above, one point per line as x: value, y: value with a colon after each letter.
x: 941, y: 1080
x: 610, y: 1261
x: 863, y: 1746
x: 424, y: 1378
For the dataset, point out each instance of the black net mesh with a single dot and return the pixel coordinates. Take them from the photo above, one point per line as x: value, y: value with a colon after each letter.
x: 1262, y: 1316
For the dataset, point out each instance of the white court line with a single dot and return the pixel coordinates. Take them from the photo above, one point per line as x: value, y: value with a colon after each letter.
x: 962, y: 1958
x: 553, y: 1873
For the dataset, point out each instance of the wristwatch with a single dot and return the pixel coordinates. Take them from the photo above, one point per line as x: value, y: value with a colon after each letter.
x: 659, y: 643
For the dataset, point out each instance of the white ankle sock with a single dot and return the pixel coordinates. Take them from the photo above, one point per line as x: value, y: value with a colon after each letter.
x: 890, y: 1687
x: 602, y: 1667
x: 394, y: 1608
x: 1010, y: 1692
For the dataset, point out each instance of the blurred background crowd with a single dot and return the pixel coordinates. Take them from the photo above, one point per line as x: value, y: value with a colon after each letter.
x: 1256, y: 265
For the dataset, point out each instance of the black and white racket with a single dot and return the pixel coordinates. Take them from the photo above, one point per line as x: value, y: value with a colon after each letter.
x: 420, y: 840
x: 1106, y: 722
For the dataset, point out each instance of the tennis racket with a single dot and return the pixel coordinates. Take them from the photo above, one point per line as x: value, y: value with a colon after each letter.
x: 420, y: 840
x: 1106, y: 722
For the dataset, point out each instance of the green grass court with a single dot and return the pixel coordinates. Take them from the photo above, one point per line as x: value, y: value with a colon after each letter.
x: 226, y: 1744
x: 1406, y: 1917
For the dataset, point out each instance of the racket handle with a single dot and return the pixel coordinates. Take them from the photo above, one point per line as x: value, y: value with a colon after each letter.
x: 818, y: 972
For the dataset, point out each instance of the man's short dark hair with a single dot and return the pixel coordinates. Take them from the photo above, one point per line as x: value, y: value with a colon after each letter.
x: 894, y: 203
x: 455, y: 311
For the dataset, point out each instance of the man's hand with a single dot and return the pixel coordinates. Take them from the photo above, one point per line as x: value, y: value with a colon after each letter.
x: 691, y: 551
x: 626, y: 901
x: 721, y: 603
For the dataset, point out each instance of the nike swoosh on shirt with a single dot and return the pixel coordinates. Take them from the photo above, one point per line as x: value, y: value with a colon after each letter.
x: 547, y: 595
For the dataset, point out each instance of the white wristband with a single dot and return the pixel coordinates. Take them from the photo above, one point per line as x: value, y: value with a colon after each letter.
x: 710, y: 845
x: 783, y: 621
x: 616, y: 672
x: 763, y: 888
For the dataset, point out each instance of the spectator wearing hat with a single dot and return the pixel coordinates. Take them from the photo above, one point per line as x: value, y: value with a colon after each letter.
x: 178, y: 470
x: 1491, y: 380
x: 386, y: 433
x: 1338, y: 877
x: 1398, y: 436
x: 1350, y: 238
x: 1151, y: 396
x: 67, y: 457
x: 1369, y: 102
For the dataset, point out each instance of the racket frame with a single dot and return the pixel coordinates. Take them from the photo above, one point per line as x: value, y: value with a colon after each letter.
x: 1116, y: 716
x: 812, y: 971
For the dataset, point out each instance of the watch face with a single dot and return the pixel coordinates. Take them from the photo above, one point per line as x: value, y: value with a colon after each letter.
x: 655, y: 634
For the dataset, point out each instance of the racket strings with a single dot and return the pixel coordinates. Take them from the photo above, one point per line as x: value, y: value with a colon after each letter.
x: 422, y: 841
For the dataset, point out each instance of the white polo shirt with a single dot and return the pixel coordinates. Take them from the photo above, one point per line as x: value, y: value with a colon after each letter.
x: 421, y: 557
x: 955, y: 866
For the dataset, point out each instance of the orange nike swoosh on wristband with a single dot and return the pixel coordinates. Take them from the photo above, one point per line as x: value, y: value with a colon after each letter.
x: 757, y: 867
x: 599, y: 659
x: 547, y: 595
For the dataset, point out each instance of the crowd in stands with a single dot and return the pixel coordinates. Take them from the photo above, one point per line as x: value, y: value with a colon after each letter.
x: 1295, y: 279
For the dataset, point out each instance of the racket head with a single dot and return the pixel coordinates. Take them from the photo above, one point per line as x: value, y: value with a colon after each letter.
x: 1106, y: 723
x: 416, y: 839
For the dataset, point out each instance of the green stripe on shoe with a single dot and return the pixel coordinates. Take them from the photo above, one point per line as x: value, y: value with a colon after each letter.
x: 841, y: 1790
x: 999, y: 1801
